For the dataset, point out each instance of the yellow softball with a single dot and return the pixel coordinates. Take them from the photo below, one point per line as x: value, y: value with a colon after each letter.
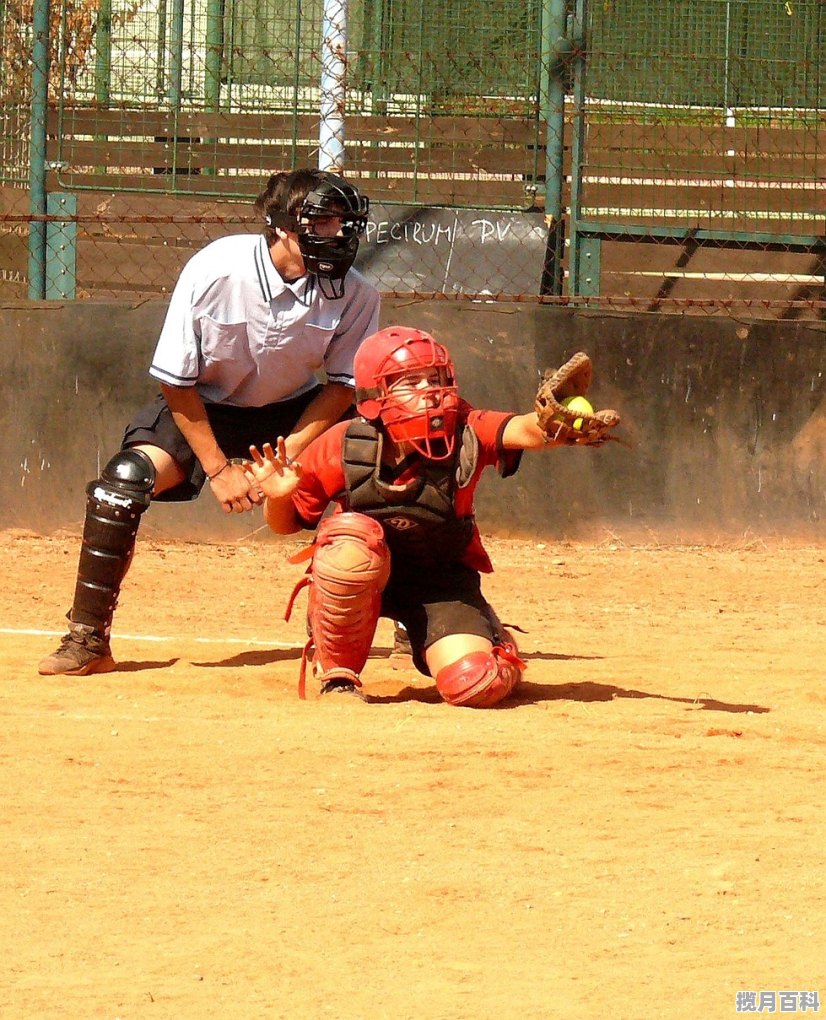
x: 578, y: 404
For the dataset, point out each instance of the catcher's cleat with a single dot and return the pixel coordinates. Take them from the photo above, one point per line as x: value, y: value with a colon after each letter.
x: 342, y: 685
x: 80, y: 652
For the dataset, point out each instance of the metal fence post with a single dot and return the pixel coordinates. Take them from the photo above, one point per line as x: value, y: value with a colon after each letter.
x: 212, y: 65
x: 588, y: 266
x: 37, y: 173
x: 103, y: 54
x: 552, y: 104
x: 176, y: 56
x: 214, y: 54
x: 176, y: 72
x: 61, y: 247
x: 333, y: 72
x: 583, y: 272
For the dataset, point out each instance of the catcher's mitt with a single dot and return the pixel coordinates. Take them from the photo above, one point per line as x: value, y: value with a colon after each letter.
x: 573, y: 379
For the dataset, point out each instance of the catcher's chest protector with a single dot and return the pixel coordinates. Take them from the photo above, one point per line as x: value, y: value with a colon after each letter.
x: 350, y: 568
x: 419, y: 519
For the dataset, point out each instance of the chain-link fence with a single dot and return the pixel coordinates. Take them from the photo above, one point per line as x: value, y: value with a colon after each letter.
x: 700, y: 143
x: 603, y: 153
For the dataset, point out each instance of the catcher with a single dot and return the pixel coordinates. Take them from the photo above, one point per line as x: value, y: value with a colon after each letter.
x: 404, y: 543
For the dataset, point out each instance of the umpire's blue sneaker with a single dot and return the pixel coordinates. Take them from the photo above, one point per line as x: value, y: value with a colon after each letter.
x: 80, y: 652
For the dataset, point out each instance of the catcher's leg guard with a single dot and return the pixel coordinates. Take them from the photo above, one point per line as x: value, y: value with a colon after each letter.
x: 481, y: 679
x: 114, y: 505
x: 350, y: 568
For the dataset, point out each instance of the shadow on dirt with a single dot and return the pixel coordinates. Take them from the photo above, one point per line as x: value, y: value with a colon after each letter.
x: 137, y: 667
x: 257, y: 658
x: 588, y: 692
x: 264, y: 657
x: 531, y: 693
x: 557, y: 656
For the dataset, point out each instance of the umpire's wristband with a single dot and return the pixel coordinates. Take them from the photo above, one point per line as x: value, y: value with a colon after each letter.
x: 226, y: 465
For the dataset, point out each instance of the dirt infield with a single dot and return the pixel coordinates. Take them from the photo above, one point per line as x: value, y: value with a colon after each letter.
x: 640, y: 834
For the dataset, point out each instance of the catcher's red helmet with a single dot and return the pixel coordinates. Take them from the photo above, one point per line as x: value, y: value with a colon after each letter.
x: 424, y: 412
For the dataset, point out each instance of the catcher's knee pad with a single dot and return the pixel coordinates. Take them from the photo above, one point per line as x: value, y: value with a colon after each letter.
x: 349, y: 571
x: 481, y: 679
x: 114, y: 505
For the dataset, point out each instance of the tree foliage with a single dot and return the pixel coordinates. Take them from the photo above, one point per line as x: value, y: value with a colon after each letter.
x: 73, y: 26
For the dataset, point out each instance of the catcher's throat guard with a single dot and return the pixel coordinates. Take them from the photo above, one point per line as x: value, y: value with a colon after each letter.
x: 349, y: 570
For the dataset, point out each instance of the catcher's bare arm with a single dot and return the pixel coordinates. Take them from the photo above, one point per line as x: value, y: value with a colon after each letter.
x: 556, y: 422
x: 522, y: 432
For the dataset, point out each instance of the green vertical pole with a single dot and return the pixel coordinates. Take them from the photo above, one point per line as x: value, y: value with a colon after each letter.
x: 103, y: 54
x: 229, y: 35
x: 375, y: 35
x: 583, y: 260
x: 214, y: 54
x: 176, y: 73
x: 61, y: 246
x: 103, y: 63
x: 552, y: 105
x: 588, y: 267
x: 176, y: 54
x: 160, y: 62
x: 299, y: 55
x: 378, y: 33
x: 37, y: 149
x: 2, y: 28
x: 212, y: 64
x: 422, y: 89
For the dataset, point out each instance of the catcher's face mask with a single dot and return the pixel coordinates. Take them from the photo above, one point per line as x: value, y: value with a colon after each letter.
x: 405, y: 379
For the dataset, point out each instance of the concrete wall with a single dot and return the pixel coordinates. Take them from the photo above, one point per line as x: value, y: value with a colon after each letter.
x: 727, y: 420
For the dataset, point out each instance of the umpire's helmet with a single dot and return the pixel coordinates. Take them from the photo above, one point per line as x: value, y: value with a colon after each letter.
x: 297, y: 201
x: 330, y: 257
x: 406, y: 380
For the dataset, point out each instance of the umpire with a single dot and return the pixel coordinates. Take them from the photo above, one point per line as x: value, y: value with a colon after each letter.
x: 251, y: 320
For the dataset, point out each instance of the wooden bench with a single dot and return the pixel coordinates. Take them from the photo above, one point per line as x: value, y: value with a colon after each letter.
x: 708, y: 177
x: 462, y: 161
x: 678, y: 187
x: 752, y: 178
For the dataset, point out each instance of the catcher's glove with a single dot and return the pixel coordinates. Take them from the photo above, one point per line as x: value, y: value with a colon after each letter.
x: 557, y: 422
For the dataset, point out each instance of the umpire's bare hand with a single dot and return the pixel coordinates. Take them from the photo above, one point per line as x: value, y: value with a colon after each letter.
x: 234, y: 490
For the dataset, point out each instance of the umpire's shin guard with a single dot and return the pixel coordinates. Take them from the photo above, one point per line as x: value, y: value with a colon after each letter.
x: 114, y: 505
